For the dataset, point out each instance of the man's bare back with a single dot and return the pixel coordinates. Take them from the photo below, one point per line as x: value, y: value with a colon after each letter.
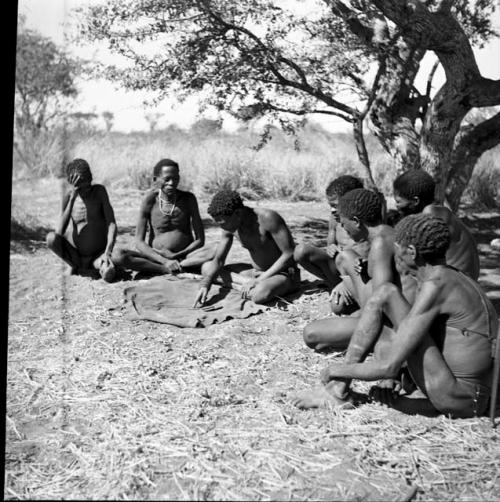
x: 445, y: 336
x: 462, y: 253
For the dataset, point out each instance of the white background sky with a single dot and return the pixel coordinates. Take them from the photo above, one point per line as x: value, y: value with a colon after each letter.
x: 48, y: 16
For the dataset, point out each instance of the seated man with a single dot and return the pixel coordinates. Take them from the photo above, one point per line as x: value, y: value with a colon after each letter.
x: 88, y: 249
x: 321, y: 262
x: 361, y: 217
x: 266, y: 236
x: 172, y: 216
x: 445, y: 337
x: 414, y: 193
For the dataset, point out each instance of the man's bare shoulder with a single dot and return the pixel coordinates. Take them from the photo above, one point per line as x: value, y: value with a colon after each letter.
x: 148, y: 199
x: 384, y: 237
x: 439, y: 212
x: 99, y: 189
x: 266, y: 215
x: 189, y: 196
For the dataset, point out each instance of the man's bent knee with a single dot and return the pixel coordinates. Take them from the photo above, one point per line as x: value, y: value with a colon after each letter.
x: 382, y: 293
x: 120, y: 257
x: 310, y: 337
x: 51, y: 239
x: 261, y: 295
x: 301, y: 253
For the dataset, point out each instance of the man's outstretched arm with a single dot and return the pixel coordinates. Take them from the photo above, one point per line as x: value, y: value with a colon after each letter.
x: 212, y: 267
x: 410, y: 334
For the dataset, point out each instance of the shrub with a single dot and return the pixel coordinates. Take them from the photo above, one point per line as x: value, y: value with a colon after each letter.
x: 483, y: 190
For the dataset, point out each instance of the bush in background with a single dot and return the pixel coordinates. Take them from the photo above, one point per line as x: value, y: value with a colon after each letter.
x: 292, y: 168
x: 483, y: 191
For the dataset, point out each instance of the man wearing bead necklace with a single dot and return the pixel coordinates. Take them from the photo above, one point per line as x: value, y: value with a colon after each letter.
x: 264, y: 233
x: 172, y: 216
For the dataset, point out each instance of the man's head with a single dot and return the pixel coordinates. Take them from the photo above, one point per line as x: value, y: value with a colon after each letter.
x: 166, y: 175
x: 78, y: 173
x: 359, y: 208
x: 420, y: 238
x: 225, y: 208
x: 338, y: 187
x: 413, y: 190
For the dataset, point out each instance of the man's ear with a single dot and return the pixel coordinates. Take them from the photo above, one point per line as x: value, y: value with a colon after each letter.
x: 356, y: 221
x: 416, y: 201
x: 412, y: 251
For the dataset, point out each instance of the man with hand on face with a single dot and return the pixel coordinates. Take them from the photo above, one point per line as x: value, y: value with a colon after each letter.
x: 93, y: 235
x: 270, y: 244
x: 172, y: 216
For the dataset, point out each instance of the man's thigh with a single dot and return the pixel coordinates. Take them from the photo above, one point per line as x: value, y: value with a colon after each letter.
x: 67, y: 250
x: 278, y: 285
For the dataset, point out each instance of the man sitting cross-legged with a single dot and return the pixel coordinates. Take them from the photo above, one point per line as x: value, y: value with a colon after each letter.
x: 445, y: 337
x: 321, y: 262
x: 361, y: 217
x: 172, y: 216
x: 414, y: 193
x: 88, y: 250
x: 270, y: 244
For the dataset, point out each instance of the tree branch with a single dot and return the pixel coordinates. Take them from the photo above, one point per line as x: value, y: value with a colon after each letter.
x: 270, y: 106
x: 303, y: 85
x: 485, y: 92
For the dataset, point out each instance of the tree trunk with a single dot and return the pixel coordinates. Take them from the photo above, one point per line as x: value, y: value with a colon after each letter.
x: 394, y: 110
x: 470, y: 145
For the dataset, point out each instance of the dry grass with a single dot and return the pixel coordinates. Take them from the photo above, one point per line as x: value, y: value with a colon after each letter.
x: 99, y: 407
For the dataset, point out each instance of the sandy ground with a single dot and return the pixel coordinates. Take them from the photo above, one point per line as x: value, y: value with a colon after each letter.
x: 99, y: 407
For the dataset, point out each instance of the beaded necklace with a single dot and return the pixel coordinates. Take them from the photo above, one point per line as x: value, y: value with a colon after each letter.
x: 162, y: 203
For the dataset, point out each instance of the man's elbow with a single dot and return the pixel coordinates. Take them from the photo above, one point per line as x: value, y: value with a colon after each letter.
x: 390, y: 369
x: 139, y: 244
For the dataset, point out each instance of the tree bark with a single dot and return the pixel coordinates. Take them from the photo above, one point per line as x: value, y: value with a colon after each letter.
x: 469, y: 147
x: 394, y: 109
x: 440, y: 32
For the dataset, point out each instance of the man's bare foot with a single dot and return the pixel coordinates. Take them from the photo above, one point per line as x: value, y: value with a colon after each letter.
x: 319, y: 397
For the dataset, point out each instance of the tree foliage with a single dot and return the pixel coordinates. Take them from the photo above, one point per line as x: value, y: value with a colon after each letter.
x: 45, y: 75
x: 354, y: 59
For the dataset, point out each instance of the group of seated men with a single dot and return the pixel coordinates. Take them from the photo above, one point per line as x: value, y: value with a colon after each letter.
x: 407, y: 294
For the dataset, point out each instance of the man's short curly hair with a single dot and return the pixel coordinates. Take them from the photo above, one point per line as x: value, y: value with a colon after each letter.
x: 164, y: 163
x: 416, y: 183
x: 429, y: 235
x: 224, y: 203
x: 363, y: 204
x: 78, y: 166
x: 343, y: 184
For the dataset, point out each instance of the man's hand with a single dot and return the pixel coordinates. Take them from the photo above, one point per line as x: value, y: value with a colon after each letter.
x: 201, y: 297
x: 333, y: 250
x: 324, y: 376
x: 173, y: 266
x: 105, y: 260
x: 360, y: 266
x: 331, y: 373
x: 246, y: 288
x: 339, y: 292
x: 73, y: 181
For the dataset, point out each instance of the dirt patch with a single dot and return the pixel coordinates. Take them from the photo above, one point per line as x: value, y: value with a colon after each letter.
x: 99, y: 407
